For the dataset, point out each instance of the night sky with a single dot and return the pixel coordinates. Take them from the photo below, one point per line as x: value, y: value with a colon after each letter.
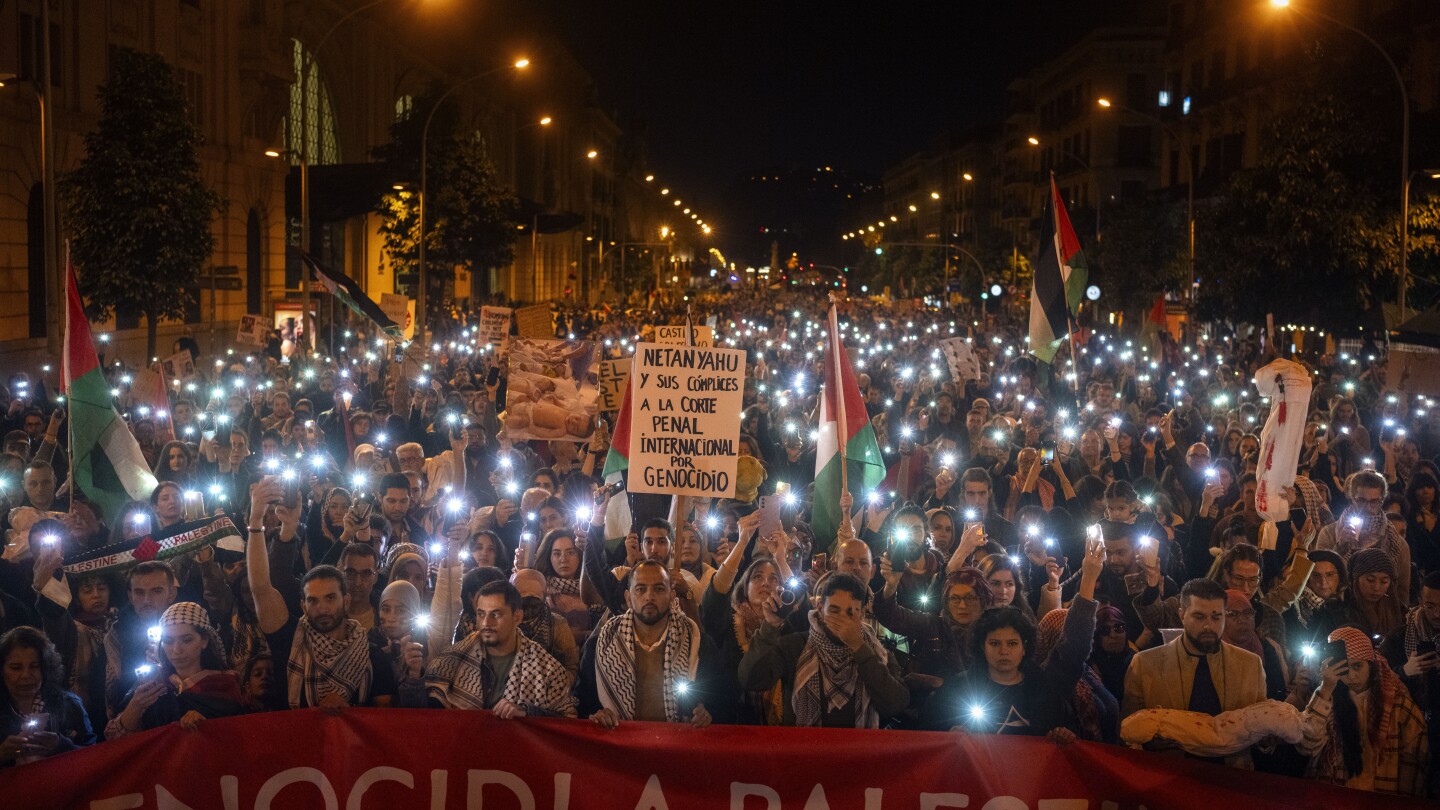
x: 732, y: 87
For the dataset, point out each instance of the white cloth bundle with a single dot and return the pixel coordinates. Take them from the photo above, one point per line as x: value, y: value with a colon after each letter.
x: 1222, y: 735
x: 1287, y: 384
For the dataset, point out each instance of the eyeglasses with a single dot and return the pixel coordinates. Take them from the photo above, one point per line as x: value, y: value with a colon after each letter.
x: 967, y: 599
x: 1107, y: 629
x: 1244, y: 580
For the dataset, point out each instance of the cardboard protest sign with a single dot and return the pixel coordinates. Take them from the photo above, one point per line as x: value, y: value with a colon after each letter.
x: 180, y: 366
x: 252, y: 330
x: 401, y: 310
x: 551, y: 390
x: 535, y: 321
x: 614, y: 376
x: 961, y: 356
x: 685, y: 419
x: 675, y: 335
x: 1414, y: 369
x: 494, y: 327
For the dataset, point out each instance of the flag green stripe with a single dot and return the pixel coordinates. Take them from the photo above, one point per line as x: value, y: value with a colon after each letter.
x: 866, y: 471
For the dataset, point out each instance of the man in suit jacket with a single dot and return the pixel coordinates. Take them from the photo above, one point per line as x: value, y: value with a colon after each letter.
x: 1198, y: 671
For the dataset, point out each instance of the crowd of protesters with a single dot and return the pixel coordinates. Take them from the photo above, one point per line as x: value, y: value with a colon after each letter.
x: 1050, y: 552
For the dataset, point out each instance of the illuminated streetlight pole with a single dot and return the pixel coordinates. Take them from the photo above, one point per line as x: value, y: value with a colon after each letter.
x: 420, y: 303
x: 1189, y: 180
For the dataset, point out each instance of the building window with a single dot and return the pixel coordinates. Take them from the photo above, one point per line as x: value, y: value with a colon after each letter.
x: 1136, y: 92
x: 404, y: 105
x: 1132, y: 147
x: 194, y: 97
x: 1217, y: 67
x: 318, y: 141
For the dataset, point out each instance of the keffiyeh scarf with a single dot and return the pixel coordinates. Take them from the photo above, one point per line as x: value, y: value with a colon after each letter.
x: 615, y: 663
x: 1376, y: 531
x: 320, y: 665
x: 462, y: 679
x: 1417, y: 629
x: 825, y: 662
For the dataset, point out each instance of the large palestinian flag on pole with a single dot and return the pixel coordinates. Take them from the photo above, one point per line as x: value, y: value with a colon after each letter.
x: 107, y: 466
x: 1059, y: 282
x: 842, y: 420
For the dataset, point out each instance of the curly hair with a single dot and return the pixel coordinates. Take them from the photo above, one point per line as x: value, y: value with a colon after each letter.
x: 52, y: 678
x: 999, y: 618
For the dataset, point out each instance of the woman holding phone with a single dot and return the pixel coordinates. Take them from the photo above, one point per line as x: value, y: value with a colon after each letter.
x: 1361, y: 728
x: 38, y: 718
x: 190, y: 681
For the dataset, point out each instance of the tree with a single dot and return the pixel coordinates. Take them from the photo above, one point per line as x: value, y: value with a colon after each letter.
x: 137, y: 207
x: 1143, y: 253
x: 470, y: 218
x: 1317, y: 213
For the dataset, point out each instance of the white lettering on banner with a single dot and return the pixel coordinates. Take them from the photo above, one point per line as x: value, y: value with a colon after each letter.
x: 286, y: 778
x: 817, y: 800
x: 685, y: 424
x: 675, y: 335
x: 739, y: 791
x: 370, y: 777
x: 507, y: 780
x: 653, y: 796
x: 934, y: 801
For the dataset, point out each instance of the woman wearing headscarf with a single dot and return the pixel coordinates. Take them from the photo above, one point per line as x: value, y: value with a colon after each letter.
x: 1361, y: 728
x: 1111, y: 653
x: 189, y: 682
x: 1371, y: 602
x: 401, y: 618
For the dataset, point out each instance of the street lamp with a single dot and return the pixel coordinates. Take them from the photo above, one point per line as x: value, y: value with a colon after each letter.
x: 420, y: 303
x: 1189, y: 179
x: 1034, y: 141
x: 1404, y: 137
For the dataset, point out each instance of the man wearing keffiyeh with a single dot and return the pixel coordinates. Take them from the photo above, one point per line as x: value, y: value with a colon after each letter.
x: 644, y: 663
x: 837, y: 675
x: 329, y: 661
x: 1364, y: 525
x: 497, y: 667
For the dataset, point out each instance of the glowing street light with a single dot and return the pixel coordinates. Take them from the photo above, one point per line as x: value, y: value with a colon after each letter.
x: 1033, y: 141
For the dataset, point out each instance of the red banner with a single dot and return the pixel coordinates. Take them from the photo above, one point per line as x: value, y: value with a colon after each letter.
x: 434, y: 760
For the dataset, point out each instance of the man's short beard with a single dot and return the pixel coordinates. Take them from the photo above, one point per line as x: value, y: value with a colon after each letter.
x: 1206, y: 647
x: 661, y: 616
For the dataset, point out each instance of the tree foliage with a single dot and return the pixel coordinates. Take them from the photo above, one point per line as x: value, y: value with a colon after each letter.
x: 137, y: 207
x: 1143, y: 253
x: 1309, y: 233
x: 470, y: 218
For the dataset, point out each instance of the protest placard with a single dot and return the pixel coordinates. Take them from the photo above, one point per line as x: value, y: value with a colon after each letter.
x: 961, y: 357
x: 494, y: 329
x: 180, y: 366
x: 535, y: 321
x: 1414, y: 370
x: 675, y: 335
x: 252, y: 330
x: 614, y: 376
x: 399, y: 309
x: 685, y: 419
x: 551, y: 390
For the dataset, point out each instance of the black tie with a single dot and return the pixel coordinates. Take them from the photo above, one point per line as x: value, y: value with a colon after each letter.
x: 1203, y: 697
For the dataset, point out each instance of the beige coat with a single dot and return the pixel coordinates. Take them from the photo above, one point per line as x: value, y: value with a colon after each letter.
x: 1161, y: 678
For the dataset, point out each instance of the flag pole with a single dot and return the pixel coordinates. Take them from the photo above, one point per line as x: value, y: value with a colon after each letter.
x: 842, y: 427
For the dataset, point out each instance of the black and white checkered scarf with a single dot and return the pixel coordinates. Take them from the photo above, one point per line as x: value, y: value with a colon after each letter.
x: 320, y: 665
x: 615, y: 663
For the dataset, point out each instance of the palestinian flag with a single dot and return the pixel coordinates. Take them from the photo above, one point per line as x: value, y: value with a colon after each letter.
x: 343, y: 287
x: 1059, y: 282
x: 1153, y: 325
x: 618, y: 515
x: 842, y: 419
x: 107, y: 465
